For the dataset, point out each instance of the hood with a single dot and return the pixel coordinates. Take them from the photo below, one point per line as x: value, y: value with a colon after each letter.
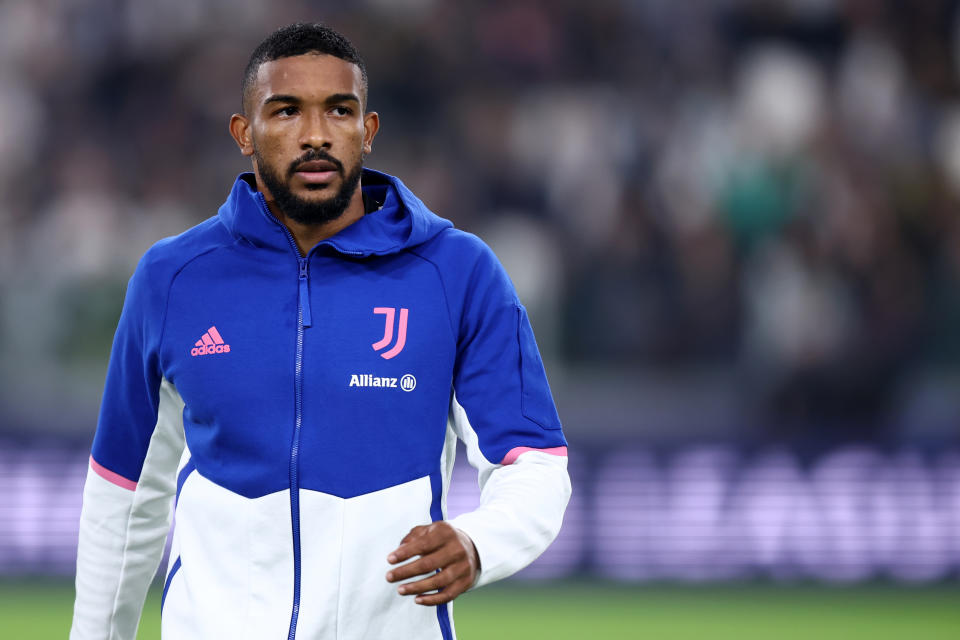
x: 402, y: 222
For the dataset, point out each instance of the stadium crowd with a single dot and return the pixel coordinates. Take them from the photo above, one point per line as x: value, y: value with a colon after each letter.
x: 767, y: 190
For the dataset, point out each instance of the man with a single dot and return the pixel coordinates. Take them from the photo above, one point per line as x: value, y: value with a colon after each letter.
x: 295, y: 372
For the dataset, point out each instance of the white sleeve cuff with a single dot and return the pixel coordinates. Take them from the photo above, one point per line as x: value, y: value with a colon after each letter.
x: 520, y: 513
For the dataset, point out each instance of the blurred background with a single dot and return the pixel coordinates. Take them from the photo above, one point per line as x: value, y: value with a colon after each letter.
x: 734, y: 224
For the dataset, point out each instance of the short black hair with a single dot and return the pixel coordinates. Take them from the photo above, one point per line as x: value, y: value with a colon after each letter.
x: 296, y: 40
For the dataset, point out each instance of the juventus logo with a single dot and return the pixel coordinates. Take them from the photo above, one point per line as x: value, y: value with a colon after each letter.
x: 390, y: 313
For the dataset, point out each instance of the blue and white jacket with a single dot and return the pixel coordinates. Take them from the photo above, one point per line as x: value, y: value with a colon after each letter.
x: 302, y: 413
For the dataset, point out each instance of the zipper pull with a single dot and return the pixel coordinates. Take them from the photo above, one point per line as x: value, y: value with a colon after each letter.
x: 306, y: 319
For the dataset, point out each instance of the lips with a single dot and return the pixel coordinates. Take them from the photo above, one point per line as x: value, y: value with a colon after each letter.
x: 317, y: 171
x: 314, y: 166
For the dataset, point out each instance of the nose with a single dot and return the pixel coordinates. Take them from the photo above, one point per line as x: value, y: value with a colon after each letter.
x: 314, y: 133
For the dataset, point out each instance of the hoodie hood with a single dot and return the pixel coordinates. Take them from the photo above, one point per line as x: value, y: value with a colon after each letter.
x: 401, y: 223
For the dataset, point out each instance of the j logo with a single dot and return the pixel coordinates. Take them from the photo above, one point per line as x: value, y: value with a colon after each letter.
x: 390, y: 312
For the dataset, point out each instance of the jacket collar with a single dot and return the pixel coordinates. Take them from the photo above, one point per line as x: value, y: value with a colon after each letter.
x: 403, y: 221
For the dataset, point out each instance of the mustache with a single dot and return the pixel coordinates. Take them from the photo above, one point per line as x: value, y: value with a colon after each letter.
x: 313, y: 155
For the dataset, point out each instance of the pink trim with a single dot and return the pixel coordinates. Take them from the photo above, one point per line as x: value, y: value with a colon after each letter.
x: 401, y: 337
x: 110, y: 476
x: 215, y: 335
x: 387, y: 329
x: 514, y: 453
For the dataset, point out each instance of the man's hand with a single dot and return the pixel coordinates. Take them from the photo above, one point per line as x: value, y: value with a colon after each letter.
x: 440, y: 546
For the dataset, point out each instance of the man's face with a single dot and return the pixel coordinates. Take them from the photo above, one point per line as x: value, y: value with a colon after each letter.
x: 307, y: 132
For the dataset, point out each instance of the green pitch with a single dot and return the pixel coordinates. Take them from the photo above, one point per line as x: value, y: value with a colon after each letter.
x: 578, y: 611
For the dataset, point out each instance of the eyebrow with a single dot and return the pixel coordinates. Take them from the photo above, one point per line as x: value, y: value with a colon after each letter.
x: 343, y: 97
x: 280, y: 97
x: 337, y: 97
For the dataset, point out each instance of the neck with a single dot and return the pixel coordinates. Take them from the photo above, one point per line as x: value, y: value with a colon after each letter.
x: 308, y: 235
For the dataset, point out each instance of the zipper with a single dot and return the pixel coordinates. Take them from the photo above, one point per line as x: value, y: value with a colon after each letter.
x: 303, y: 320
x: 294, y: 466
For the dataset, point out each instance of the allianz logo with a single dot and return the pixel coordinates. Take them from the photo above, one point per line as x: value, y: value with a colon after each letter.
x: 407, y: 382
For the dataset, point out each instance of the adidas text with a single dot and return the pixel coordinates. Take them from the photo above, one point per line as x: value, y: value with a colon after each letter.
x: 209, y: 349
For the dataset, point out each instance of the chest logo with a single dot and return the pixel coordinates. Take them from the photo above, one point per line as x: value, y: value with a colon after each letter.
x: 391, y: 313
x: 407, y: 382
x: 210, y: 342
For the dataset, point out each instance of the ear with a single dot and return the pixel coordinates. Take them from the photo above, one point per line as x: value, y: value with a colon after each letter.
x: 241, y: 133
x: 371, y: 124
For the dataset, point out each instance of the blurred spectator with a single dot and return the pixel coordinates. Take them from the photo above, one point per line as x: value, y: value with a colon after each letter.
x: 767, y: 190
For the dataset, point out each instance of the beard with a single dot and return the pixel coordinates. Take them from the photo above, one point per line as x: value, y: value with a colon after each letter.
x: 303, y: 210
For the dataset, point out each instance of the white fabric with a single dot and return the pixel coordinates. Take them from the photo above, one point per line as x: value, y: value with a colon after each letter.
x: 236, y: 575
x: 236, y: 565
x: 521, y: 505
x: 348, y: 594
x: 236, y: 560
x: 122, y: 533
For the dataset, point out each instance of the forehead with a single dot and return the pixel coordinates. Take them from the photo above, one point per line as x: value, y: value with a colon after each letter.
x: 308, y: 76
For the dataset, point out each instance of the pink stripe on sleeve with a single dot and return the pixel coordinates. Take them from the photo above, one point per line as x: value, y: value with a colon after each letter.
x: 514, y: 453
x: 110, y: 476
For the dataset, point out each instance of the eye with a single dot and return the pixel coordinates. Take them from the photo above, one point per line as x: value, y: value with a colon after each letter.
x: 286, y: 111
x: 341, y: 110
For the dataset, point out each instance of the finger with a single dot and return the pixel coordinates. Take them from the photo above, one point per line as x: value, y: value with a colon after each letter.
x: 420, y: 543
x: 418, y: 547
x: 419, y: 567
x: 417, y: 542
x: 436, y: 581
x: 424, y: 564
x: 448, y: 594
x: 415, y: 532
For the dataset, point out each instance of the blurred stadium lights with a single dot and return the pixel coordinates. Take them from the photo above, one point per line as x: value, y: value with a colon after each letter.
x: 696, y: 514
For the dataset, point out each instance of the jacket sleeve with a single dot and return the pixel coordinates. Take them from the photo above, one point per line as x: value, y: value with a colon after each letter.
x: 503, y: 411
x: 127, y: 497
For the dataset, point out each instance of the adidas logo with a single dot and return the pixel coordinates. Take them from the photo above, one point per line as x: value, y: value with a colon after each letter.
x: 210, y: 343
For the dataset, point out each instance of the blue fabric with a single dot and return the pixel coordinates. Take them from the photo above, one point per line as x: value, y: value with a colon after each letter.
x: 436, y: 514
x: 237, y: 272
x: 188, y: 468
x: 166, y: 585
